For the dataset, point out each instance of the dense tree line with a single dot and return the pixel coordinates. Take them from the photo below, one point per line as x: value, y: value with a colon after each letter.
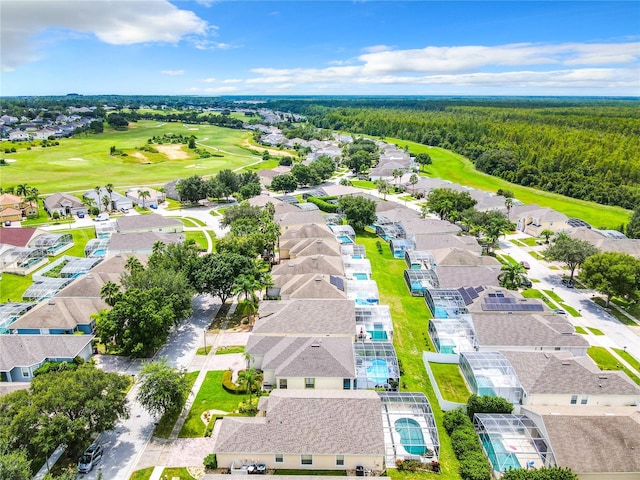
x: 586, y: 149
x: 223, y: 185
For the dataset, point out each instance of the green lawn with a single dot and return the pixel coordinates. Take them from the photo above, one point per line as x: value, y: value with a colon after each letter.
x: 517, y: 242
x: 554, y: 295
x: 530, y: 241
x: 581, y: 330
x: 82, y: 162
x: 210, y: 397
x: 411, y: 338
x: 570, y: 310
x: 204, y: 350
x: 606, y: 361
x: 363, y: 184
x: 504, y: 258
x: 595, y: 331
x: 165, y: 424
x: 533, y: 293
x: 199, y: 238
x: 536, y: 255
x: 456, y: 168
x: 144, y: 474
x: 631, y: 360
x: 614, y: 311
x: 181, y: 473
x: 450, y: 381
x: 230, y: 349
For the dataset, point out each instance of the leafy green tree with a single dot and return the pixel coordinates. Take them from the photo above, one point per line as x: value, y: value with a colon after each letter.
x: 359, y: 161
x: 162, y: 388
x: 323, y: 167
x: 14, y: 465
x: 487, y: 404
x: 444, y: 201
x: 633, y: 227
x: 304, y: 175
x: 117, y: 121
x: 192, y: 189
x: 423, y: 159
x: 285, y: 182
x: 228, y: 181
x: 191, y: 144
x: 570, y: 251
x: 612, y: 273
x: 511, y: 275
x: 216, y: 273
x: 242, y: 211
x: 359, y: 211
x: 250, y: 190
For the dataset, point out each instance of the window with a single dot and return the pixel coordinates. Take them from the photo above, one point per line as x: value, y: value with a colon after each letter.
x: 306, y: 459
x: 283, y: 383
x: 339, y: 460
x: 346, y: 384
x: 584, y: 399
x: 279, y: 458
x: 309, y: 383
x: 25, y: 372
x: 574, y: 399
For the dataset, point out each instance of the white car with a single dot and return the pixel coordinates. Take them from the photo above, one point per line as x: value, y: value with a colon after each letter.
x: 88, y: 460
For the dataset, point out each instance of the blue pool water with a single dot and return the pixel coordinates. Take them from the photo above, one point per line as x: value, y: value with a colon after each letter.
x: 500, y: 458
x: 485, y: 387
x: 441, y: 313
x: 361, y: 276
x: 344, y: 239
x: 101, y: 252
x: 411, y: 436
x: 356, y: 257
x: 104, y: 235
x: 378, y: 371
x: 378, y: 334
x: 418, y: 287
x: 450, y: 349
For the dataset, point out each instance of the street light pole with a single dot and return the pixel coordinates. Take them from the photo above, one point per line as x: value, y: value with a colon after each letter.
x: 204, y: 334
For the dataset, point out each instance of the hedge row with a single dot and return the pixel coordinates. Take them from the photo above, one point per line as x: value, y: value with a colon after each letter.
x: 323, y: 204
x: 474, y: 465
x: 228, y: 385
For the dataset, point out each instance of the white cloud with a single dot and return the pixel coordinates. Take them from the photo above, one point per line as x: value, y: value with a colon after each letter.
x: 204, y: 44
x: 120, y: 22
x: 172, y: 72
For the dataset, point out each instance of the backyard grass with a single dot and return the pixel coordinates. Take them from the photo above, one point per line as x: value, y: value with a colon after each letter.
x: 606, y: 361
x: 450, y: 382
x: 410, y: 319
x: 630, y: 359
x: 366, y: 184
x: 82, y: 162
x: 172, y: 473
x: 230, y: 349
x: 165, y: 424
x: 595, y: 331
x: 456, y: 168
x: 199, y: 238
x: 211, y: 396
x: 581, y: 330
x: 144, y: 474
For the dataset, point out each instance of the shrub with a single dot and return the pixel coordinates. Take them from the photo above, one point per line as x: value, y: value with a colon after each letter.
x: 285, y: 161
x: 487, y: 404
x: 323, y: 204
x: 475, y: 466
x: 465, y: 440
x: 454, y: 419
x: 227, y: 383
x: 210, y: 462
x: 248, y: 408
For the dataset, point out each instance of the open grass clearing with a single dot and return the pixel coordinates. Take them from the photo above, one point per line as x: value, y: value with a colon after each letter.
x: 450, y: 382
x: 167, y: 421
x: 606, y: 361
x: 630, y: 359
x: 211, y: 396
x: 456, y: 168
x: 410, y: 319
x: 82, y: 162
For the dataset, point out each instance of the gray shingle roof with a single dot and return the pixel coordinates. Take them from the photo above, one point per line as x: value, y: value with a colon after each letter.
x: 456, y: 256
x: 116, y: 263
x: 311, y: 357
x: 319, y: 264
x: 310, y: 230
x: 65, y: 313
x: 27, y: 350
x: 434, y: 241
x: 543, y: 373
x: 130, y: 242
x: 299, y: 218
x: 325, y: 422
x: 453, y: 276
x: 89, y: 285
x: 525, y: 331
x: 596, y: 443
x: 306, y: 317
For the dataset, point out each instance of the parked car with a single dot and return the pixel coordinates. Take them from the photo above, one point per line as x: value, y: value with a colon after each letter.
x: 559, y: 311
x: 526, y: 283
x: 124, y: 210
x: 80, y: 214
x: 89, y: 458
x: 103, y: 217
x: 153, y: 206
x: 7, y: 223
x: 525, y: 265
x: 567, y: 282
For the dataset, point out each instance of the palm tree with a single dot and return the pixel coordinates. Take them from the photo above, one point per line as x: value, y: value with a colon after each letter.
x: 133, y: 264
x: 508, y: 203
x: 97, y: 190
x: 249, y: 380
x: 512, y: 275
x: 106, y: 202
x: 22, y: 189
x: 492, y: 233
x: 413, y: 179
x: 143, y: 194
x: 383, y: 187
x: 109, y: 188
x: 110, y: 293
x: 546, y: 233
x: 248, y: 358
x: 397, y: 175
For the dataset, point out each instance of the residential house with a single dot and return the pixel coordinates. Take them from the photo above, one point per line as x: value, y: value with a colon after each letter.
x: 322, y: 363
x: 65, y: 204
x: 533, y: 219
x: 22, y: 355
x: 148, y: 223
x: 454, y: 276
x: 13, y: 208
x: 59, y: 316
x: 139, y: 243
x: 306, y: 429
x: 116, y: 200
x: 153, y: 199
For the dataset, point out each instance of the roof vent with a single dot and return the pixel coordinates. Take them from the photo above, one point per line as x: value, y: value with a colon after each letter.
x: 52, y: 301
x: 566, y: 363
x: 318, y: 279
x: 602, y: 377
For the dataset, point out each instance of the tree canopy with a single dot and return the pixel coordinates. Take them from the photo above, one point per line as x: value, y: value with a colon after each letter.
x: 445, y: 201
x: 359, y: 211
x: 612, y: 273
x: 570, y: 251
x: 162, y: 388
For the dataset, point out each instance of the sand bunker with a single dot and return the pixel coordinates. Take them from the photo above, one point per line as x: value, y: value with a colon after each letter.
x: 139, y: 155
x: 172, y: 152
x: 77, y: 159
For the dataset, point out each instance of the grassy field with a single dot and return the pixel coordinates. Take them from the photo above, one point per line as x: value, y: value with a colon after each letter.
x: 210, y: 397
x: 82, y: 162
x: 451, y: 166
x: 230, y: 349
x: 533, y: 293
x: 410, y: 319
x: 450, y: 382
x: 606, y: 361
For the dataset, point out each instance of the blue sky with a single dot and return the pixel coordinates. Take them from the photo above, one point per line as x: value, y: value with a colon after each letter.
x: 208, y: 47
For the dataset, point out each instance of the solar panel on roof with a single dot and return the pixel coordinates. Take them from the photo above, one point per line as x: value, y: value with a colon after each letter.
x: 472, y: 292
x: 337, y: 281
x: 465, y: 296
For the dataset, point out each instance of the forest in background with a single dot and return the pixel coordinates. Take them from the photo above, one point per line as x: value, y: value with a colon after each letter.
x: 586, y: 148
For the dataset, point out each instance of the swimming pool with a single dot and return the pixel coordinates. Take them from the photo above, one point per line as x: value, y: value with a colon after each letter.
x: 101, y: 252
x: 500, y: 458
x: 361, y: 276
x: 377, y: 371
x: 441, y: 313
x: 411, y: 436
x: 485, y: 386
x: 378, y: 334
x: 344, y: 239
